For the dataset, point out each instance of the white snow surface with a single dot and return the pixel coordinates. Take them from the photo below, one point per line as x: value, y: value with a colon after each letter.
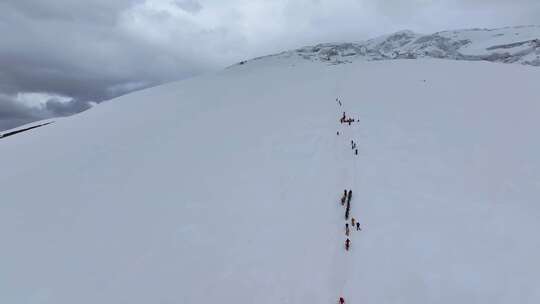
x: 225, y: 189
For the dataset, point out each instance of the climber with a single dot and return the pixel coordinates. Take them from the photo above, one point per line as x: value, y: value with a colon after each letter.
x: 358, y: 226
x: 353, y: 221
x: 347, y: 231
x: 356, y: 152
x: 347, y: 244
x: 341, y: 300
x: 349, y: 196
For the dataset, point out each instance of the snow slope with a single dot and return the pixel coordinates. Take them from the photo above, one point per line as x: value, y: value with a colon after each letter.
x: 520, y: 44
x: 225, y: 189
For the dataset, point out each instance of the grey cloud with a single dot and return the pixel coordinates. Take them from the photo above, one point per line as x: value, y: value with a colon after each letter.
x: 14, y: 113
x: 11, y: 108
x: 428, y: 16
x: 191, y: 6
x: 60, y: 108
x: 102, y: 11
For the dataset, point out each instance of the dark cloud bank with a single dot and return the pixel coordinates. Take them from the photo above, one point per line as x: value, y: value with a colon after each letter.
x: 91, y: 51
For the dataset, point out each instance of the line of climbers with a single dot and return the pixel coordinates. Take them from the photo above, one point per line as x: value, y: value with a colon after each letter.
x: 346, y: 201
x: 353, y: 146
x: 347, y: 194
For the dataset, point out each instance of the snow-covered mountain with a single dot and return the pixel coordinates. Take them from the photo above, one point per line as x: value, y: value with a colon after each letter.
x: 507, y: 45
x: 226, y: 189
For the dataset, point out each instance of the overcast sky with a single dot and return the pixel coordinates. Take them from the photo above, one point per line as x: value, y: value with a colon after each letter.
x: 58, y: 56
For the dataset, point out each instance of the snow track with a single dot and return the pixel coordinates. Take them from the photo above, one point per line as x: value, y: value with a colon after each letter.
x: 347, y: 177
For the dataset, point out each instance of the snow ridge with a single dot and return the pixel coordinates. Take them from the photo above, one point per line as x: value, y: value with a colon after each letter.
x: 519, y: 44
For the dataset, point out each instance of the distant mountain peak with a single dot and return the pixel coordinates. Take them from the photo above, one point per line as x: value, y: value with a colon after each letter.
x: 518, y: 44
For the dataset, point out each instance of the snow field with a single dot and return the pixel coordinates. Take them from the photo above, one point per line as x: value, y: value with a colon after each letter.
x: 225, y: 189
